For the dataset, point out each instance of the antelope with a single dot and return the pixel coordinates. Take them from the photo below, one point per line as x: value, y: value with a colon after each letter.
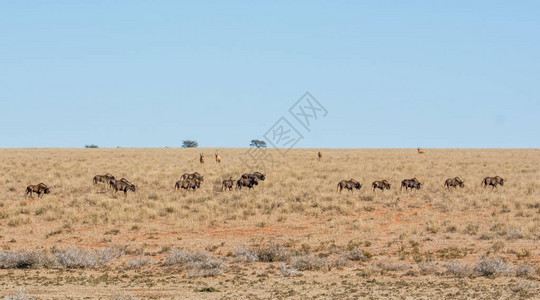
x: 421, y: 151
x: 493, y: 181
x: 319, y: 155
x: 218, y: 158
x: 39, y: 189
x: 348, y: 184
x: 201, y: 158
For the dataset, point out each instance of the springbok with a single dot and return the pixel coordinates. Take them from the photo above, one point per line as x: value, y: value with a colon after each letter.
x: 218, y: 158
x: 201, y: 158
x: 421, y: 151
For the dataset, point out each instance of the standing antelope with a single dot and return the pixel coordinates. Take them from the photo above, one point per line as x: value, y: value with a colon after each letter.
x: 201, y: 158
x: 218, y: 158
x: 421, y: 151
x: 319, y: 155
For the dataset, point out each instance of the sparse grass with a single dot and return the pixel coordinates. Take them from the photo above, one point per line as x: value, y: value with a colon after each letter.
x: 292, y: 224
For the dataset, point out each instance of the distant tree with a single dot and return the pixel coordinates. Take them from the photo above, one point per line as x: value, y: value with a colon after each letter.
x: 190, y: 144
x: 91, y: 146
x: 258, y: 144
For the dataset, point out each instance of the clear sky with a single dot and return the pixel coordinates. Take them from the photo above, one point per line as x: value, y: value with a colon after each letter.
x: 153, y: 73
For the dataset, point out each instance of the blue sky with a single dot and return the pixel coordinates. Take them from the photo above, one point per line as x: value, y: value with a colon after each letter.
x: 153, y: 73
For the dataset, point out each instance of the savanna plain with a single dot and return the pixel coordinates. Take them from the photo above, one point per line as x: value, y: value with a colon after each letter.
x: 292, y: 236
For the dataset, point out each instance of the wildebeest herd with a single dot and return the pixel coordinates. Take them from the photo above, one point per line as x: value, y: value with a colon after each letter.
x: 193, y: 181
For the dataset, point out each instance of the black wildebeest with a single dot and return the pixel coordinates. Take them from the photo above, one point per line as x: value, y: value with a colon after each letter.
x: 493, y: 181
x: 122, y: 185
x: 411, y: 183
x: 103, y: 178
x: 349, y: 184
x: 188, y: 184
x: 39, y: 189
x: 190, y: 176
x: 319, y: 155
x: 258, y: 175
x: 248, y: 182
x: 227, y: 184
x: 454, y: 182
x: 382, y: 185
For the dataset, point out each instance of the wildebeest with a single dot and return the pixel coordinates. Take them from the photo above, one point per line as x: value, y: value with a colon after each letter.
x: 382, y: 185
x: 258, y: 175
x: 122, y: 185
x: 421, y: 151
x: 201, y: 158
x: 319, y: 155
x: 103, y: 178
x: 493, y: 181
x: 188, y: 184
x: 227, y: 184
x: 454, y: 182
x: 194, y: 175
x: 411, y: 183
x: 218, y: 158
x: 39, y: 189
x: 248, y: 182
x: 349, y: 184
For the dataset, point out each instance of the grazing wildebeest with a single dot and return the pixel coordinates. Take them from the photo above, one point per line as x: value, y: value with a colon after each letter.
x: 349, y: 184
x: 188, y: 184
x: 218, y: 158
x: 454, y: 182
x: 194, y: 175
x: 411, y: 183
x: 39, y: 189
x: 382, y: 185
x: 122, y: 185
x: 421, y: 151
x: 201, y: 158
x: 103, y: 178
x: 249, y: 182
x: 227, y: 184
x: 493, y: 181
x: 258, y: 175
x: 319, y: 155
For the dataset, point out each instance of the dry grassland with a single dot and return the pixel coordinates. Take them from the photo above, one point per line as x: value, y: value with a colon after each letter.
x: 292, y: 236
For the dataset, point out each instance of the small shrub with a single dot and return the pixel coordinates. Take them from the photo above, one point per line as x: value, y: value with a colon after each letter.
x: 309, y: 263
x: 140, y: 262
x: 288, y: 272
x: 272, y: 253
x: 198, y: 264
x: 79, y: 258
x: 513, y: 233
x: 524, y: 270
x: 492, y: 267
x: 245, y: 255
x: 458, y: 269
x: 356, y: 255
x: 14, y: 259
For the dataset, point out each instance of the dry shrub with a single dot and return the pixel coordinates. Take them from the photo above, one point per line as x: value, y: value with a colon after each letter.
x: 79, y: 258
x: 245, y: 255
x: 525, y: 270
x: 458, y: 269
x: 392, y: 266
x: 199, y: 264
x: 139, y: 262
x: 309, y: 263
x: 492, y: 267
x: 288, y: 272
x: 428, y: 268
x: 356, y: 254
x: 272, y: 253
x: 19, y: 295
x: 14, y: 259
